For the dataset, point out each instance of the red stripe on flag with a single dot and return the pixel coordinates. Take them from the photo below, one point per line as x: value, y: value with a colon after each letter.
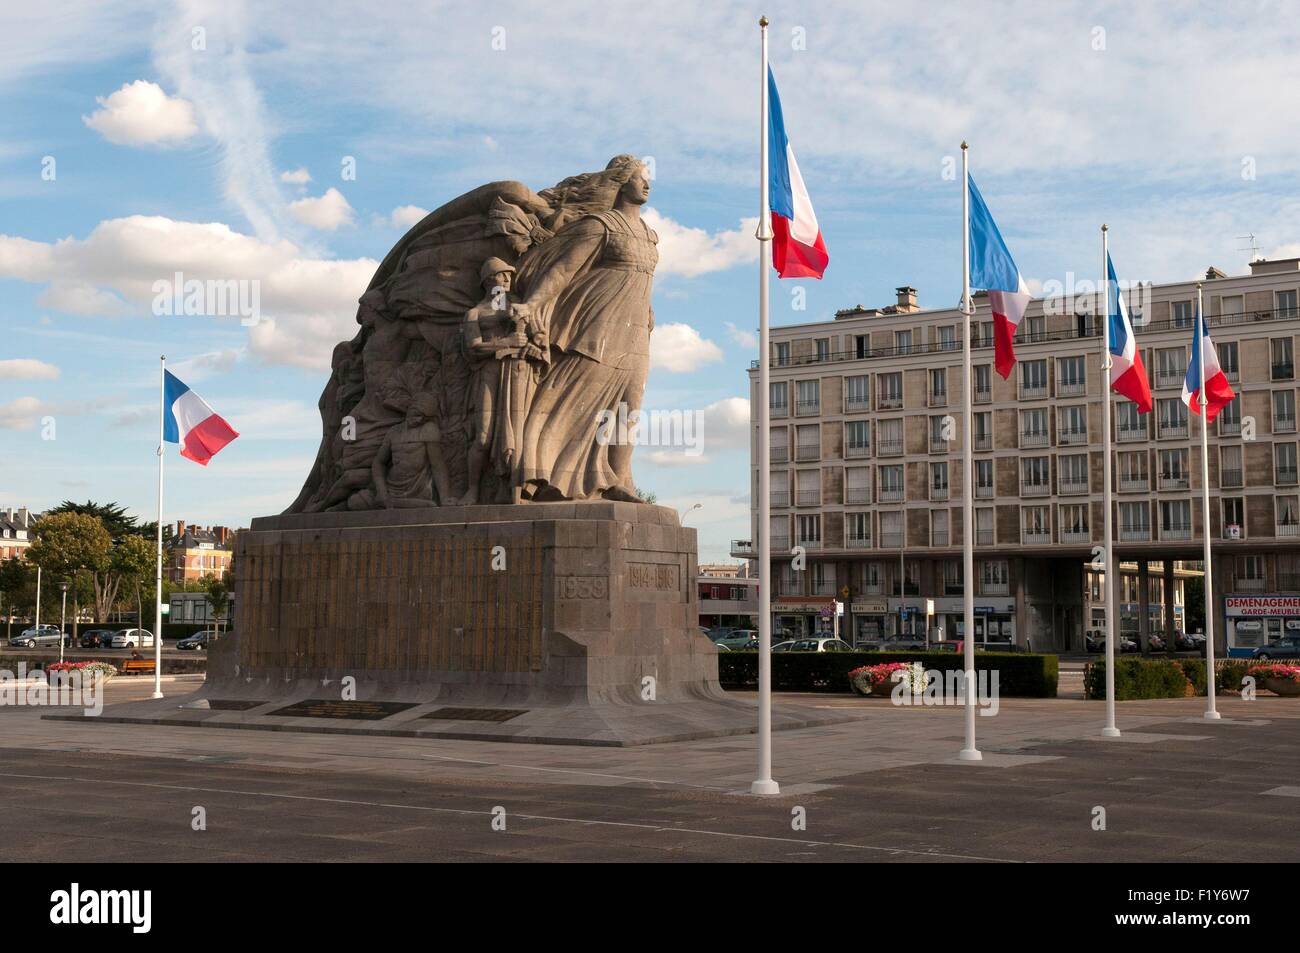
x: 1133, y: 385
x: 1218, y: 394
x: 793, y: 259
x: 204, y: 442
x: 1004, y: 351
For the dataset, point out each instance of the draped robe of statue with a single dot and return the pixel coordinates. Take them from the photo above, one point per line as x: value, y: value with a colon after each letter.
x: 590, y: 288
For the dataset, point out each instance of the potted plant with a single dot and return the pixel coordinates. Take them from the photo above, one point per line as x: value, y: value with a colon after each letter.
x: 880, y: 679
x: 1278, y: 679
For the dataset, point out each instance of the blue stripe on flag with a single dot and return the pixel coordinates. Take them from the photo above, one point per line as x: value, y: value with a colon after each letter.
x: 991, y: 265
x: 780, y: 196
x: 172, y: 390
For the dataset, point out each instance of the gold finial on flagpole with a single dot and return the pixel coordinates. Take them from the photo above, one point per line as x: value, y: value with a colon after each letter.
x: 1105, y: 227
x: 762, y: 21
x: 963, y: 145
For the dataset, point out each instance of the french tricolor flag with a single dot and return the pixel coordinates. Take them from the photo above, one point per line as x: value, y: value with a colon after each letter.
x: 190, y: 422
x: 1218, y: 392
x: 798, y: 249
x: 1127, y: 375
x: 993, y: 269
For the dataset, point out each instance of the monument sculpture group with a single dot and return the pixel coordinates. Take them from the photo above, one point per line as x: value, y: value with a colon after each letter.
x: 490, y: 340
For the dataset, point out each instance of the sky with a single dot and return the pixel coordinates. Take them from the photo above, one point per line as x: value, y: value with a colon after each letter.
x: 292, y: 144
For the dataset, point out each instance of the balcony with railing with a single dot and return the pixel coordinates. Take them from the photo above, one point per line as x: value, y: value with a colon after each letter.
x: 857, y: 541
x: 857, y: 494
x: 855, y: 405
x: 983, y: 441
x: 779, y: 454
x: 983, y: 396
x: 743, y: 548
x: 891, y: 540
x: 1071, y: 388
x: 808, y: 451
x: 807, y: 408
x: 778, y: 410
x: 1283, y: 370
x: 891, y: 494
x: 1035, y: 537
x: 810, y: 497
x: 939, y: 492
x: 939, y: 537
x: 1130, y: 434
x: 939, y: 446
x: 810, y: 542
x: 1069, y: 437
x: 990, y: 588
x: 984, y: 537
x: 1290, y: 530
x: 1169, y: 430
x: 1134, y: 484
x: 890, y: 448
x: 780, y: 498
x: 983, y: 491
x: 1072, y: 487
x: 1284, y: 423
x: 1134, y: 534
x: 889, y: 402
x: 1032, y: 391
x: 1035, y: 489
x: 1250, y: 582
x: 939, y: 399
x: 1075, y: 536
x: 824, y: 587
x: 1034, y: 438
x: 1284, y: 476
x: 1230, y: 478
x: 1170, y: 378
x: 1228, y: 426
x: 1172, y: 481
x: 1176, y: 531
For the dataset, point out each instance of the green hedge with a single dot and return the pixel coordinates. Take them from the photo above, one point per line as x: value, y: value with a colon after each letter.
x: 1137, y: 678
x: 1020, y: 674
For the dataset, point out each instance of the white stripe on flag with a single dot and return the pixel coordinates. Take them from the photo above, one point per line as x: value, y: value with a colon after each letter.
x: 804, y: 227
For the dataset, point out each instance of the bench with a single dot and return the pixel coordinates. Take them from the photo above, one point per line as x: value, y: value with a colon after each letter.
x: 133, y: 665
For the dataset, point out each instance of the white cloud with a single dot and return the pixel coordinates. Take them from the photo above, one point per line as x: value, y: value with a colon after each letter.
x: 79, y: 297
x: 298, y: 176
x: 308, y: 304
x: 404, y: 216
x: 27, y: 368
x: 25, y: 413
x: 726, y: 424
x: 679, y: 348
x: 202, y: 365
x: 141, y: 114
x: 693, y: 251
x: 746, y: 339
x: 326, y: 212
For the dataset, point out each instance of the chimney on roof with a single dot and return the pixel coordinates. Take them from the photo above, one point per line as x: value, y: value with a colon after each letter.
x: 1212, y: 274
x: 906, y: 299
x: 180, y: 528
x: 1262, y: 266
x: 24, y: 517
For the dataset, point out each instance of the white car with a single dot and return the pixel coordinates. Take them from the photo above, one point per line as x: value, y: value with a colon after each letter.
x: 132, y: 639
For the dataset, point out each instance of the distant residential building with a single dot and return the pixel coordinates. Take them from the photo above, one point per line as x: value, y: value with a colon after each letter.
x: 728, y: 595
x: 194, y: 607
x: 15, y: 532
x: 193, y: 552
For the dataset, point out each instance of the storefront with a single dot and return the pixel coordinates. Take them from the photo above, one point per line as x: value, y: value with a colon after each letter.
x: 1254, y: 620
x: 868, y: 621
x: 995, y: 619
x: 804, y: 617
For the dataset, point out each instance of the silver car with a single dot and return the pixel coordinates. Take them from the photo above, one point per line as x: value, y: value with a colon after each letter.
x: 38, y: 636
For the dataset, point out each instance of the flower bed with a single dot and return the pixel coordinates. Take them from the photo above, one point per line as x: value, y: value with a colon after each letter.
x: 1278, y: 679
x: 880, y: 679
x: 100, y: 669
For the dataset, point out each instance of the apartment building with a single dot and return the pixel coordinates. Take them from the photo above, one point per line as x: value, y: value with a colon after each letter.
x: 728, y: 595
x: 866, y: 418
x: 192, y: 552
x: 15, y: 532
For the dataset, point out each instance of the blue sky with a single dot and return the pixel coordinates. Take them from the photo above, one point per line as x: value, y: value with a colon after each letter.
x: 1175, y: 123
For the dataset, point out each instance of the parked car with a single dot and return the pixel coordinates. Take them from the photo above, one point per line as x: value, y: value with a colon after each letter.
x: 1094, y: 640
x: 1127, y: 645
x: 37, y: 636
x: 1194, y: 642
x: 783, y: 646
x: 95, y: 638
x: 1288, y: 646
x: 739, y: 639
x: 719, y: 632
x: 820, y: 645
x: 1155, y: 642
x: 199, y: 640
x: 132, y: 639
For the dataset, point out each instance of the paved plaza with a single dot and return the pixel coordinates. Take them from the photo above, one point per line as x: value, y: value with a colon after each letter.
x: 884, y: 786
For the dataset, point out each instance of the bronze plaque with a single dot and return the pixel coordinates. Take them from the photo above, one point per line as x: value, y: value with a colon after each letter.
x: 335, y: 708
x: 476, y: 714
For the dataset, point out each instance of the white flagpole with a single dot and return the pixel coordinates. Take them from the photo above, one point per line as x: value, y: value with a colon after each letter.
x: 1201, y: 327
x: 158, y: 575
x: 969, y: 752
x: 1108, y: 537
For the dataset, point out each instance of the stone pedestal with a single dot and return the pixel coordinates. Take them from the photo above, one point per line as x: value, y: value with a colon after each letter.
x: 563, y: 623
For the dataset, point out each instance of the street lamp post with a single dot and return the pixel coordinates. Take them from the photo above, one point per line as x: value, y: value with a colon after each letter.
x: 689, y: 511
x: 63, y: 618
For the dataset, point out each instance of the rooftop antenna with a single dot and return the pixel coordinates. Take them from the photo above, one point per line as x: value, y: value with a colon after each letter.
x: 1252, y: 246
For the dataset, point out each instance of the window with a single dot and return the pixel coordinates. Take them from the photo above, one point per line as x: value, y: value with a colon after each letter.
x: 939, y: 528
x: 984, y: 526
x: 890, y: 434
x: 939, y: 481
x: 1172, y: 417
x: 1284, y: 464
x: 1033, y: 428
x: 939, y: 432
x: 938, y: 386
x: 1250, y: 572
x: 1230, y: 306
x: 809, y: 488
x: 891, y: 389
x: 1283, y: 411
x: 1171, y: 366
x: 1036, y: 525
x: 1134, y: 521
x: 1033, y: 378
x: 873, y: 580
x: 952, y: 577
x: 1072, y: 426
x: 1173, y: 469
x: 1229, y: 419
x: 809, y: 393
x: 947, y: 338
x: 810, y: 530
x: 1035, y: 327
x: 1035, y: 476
x: 1071, y: 379
x: 862, y: 345
x: 993, y: 577
x: 984, y: 478
x: 1183, y: 315
x: 1286, y: 304
x: 981, y: 382
x: 1133, y: 471
x: 891, y: 484
x: 779, y: 444
x: 779, y: 491
x: 983, y: 425
x: 1074, y: 523
x: 823, y: 346
x: 782, y: 353
x: 857, y: 530
x: 982, y: 334
x: 903, y: 342
x: 780, y: 533
x: 1072, y: 473
x: 857, y: 438
x: 1129, y: 424
x: 1283, y: 363
x: 779, y: 398
x: 1287, y: 515
x: 1230, y: 465
x: 1175, y: 519
x: 809, y: 446
x: 857, y: 392
x: 1227, y: 351
x: 857, y: 485
x: 891, y: 529
x: 1234, y: 517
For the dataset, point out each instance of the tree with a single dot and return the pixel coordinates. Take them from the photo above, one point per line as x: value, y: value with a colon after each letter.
x: 66, y: 544
x: 114, y: 517
x: 218, y: 596
x: 18, y: 586
x: 135, y: 562
x: 647, y: 496
x: 1194, y: 603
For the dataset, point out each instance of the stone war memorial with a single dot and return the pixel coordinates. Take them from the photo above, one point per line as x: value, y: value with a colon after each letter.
x: 468, y: 556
